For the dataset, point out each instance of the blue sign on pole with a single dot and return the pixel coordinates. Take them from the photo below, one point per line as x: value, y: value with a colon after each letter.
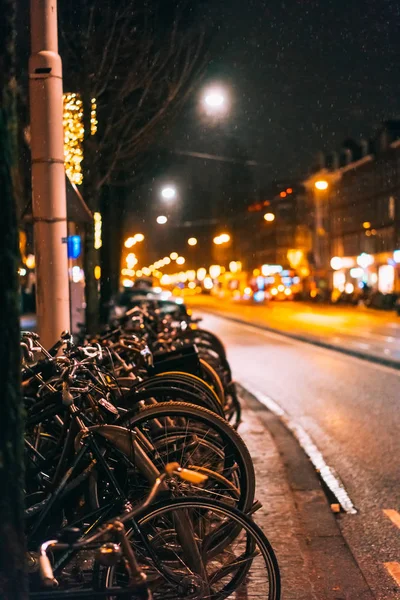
x: 74, y: 246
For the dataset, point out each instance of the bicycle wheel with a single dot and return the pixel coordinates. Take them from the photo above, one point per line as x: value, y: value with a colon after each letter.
x: 245, y: 567
x: 205, y: 335
x: 187, y: 383
x: 190, y: 435
x: 213, y: 379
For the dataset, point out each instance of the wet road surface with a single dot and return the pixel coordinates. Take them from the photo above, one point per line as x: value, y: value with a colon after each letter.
x: 350, y: 409
x: 358, y: 329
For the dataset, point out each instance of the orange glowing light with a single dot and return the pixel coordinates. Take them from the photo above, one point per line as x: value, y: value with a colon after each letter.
x: 289, y: 191
x: 283, y: 194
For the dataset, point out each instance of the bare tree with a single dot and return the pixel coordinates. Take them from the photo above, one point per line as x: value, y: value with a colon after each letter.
x: 139, y: 60
x: 12, y: 547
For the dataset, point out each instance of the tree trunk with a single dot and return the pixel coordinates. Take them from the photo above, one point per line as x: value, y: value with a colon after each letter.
x: 91, y: 196
x: 90, y: 261
x: 13, y: 584
x: 112, y: 206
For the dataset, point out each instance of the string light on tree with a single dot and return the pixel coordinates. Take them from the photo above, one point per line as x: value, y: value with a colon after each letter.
x: 98, y: 242
x: 73, y: 136
x: 74, y: 133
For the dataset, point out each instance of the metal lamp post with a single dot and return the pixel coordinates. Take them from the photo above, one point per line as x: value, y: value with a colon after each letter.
x: 48, y: 174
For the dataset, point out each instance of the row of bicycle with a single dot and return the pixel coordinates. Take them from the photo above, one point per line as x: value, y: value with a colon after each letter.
x: 138, y: 484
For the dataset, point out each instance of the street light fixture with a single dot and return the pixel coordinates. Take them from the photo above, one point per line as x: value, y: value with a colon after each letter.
x: 215, y: 100
x: 173, y: 255
x: 139, y: 237
x: 321, y: 184
x: 269, y: 217
x: 223, y: 238
x: 180, y: 260
x: 192, y: 241
x: 161, y: 220
x: 168, y: 192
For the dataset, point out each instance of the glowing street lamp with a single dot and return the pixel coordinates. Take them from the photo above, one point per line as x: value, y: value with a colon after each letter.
x: 214, y: 98
x: 192, y: 241
x: 321, y: 184
x: 215, y: 101
x: 168, y: 192
x: 173, y: 255
x: 161, y: 220
x: 139, y: 237
x: 180, y: 260
x: 215, y: 271
x: 202, y: 272
x: 269, y: 217
x: 223, y: 238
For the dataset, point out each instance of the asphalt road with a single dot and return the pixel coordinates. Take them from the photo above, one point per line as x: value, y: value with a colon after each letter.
x: 350, y: 409
x: 360, y: 330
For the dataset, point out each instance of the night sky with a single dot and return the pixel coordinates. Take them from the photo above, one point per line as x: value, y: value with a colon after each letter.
x: 304, y: 75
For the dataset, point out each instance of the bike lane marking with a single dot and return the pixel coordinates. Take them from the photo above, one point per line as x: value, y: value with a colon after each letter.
x: 393, y: 568
x: 393, y: 515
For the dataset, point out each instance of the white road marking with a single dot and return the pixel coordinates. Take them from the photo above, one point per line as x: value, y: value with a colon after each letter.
x: 328, y: 475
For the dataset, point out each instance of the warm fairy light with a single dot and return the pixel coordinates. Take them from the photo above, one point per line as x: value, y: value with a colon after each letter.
x: 130, y: 242
x: 93, y: 119
x: 98, y: 242
x: 74, y: 134
x: 131, y: 260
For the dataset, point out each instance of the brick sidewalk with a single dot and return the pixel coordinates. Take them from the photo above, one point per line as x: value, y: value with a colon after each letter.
x: 277, y: 517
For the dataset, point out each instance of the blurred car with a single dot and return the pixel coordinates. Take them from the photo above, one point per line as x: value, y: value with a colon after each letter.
x: 154, y: 297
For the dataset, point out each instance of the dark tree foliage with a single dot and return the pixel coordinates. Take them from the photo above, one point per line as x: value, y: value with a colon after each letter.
x: 12, y: 549
x: 139, y: 60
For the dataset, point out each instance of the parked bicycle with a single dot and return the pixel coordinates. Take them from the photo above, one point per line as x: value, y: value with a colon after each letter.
x: 105, y: 420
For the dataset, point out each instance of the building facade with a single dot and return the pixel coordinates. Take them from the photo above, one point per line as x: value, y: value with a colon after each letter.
x: 356, y: 218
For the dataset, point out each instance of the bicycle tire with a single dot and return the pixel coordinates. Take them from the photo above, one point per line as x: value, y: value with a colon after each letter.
x: 226, y: 432
x: 168, y: 393
x: 164, y: 512
x: 189, y: 382
x: 212, y: 375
